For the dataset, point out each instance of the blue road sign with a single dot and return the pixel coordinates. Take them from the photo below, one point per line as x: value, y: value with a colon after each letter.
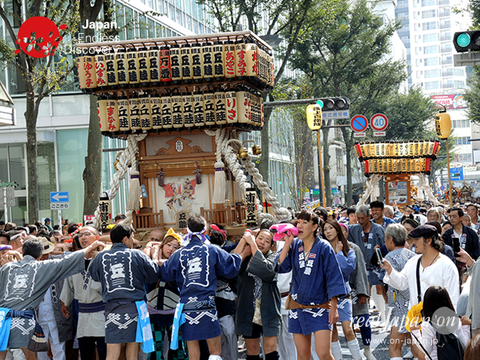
x: 442, y: 188
x: 456, y: 174
x: 336, y: 114
x: 59, y: 196
x: 359, y: 123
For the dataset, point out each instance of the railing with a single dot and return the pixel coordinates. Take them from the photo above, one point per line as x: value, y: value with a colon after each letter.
x: 148, y: 221
x: 445, y: 25
x: 446, y: 38
x: 447, y: 62
x: 447, y: 73
x: 444, y: 13
x: 446, y: 50
x: 223, y: 216
x: 443, y: 2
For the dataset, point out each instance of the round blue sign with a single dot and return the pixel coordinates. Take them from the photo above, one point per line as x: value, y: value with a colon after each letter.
x: 442, y: 187
x: 359, y: 123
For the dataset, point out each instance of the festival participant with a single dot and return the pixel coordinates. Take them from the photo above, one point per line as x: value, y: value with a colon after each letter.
x: 435, y: 298
x: 467, y: 236
x: 88, y: 293
x: 195, y: 269
x: 258, y: 311
x: 347, y: 260
x: 4, y: 238
x: 360, y: 293
x: 398, y: 300
x: 123, y: 273
x: 368, y: 236
x: 472, y: 210
x: 24, y: 283
x: 352, y: 218
x: 434, y: 214
x: 317, y: 281
x: 376, y: 208
x: 388, y: 212
x: 410, y: 225
x: 164, y: 298
x: 57, y: 329
x: 225, y: 301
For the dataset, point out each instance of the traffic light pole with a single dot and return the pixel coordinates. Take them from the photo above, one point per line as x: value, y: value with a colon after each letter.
x: 320, y: 172
x: 449, y: 178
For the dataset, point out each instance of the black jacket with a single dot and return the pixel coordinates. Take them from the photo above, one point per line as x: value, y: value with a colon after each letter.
x: 468, y: 241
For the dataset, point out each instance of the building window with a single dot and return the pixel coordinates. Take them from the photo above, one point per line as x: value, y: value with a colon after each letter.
x: 431, y: 73
x: 428, y: 2
x: 428, y: 14
x: 432, y: 85
x: 431, y: 61
x: 430, y: 37
x: 431, y: 25
x: 432, y: 49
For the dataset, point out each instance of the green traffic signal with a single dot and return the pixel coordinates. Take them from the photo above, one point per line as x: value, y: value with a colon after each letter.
x: 463, y: 40
x: 320, y: 103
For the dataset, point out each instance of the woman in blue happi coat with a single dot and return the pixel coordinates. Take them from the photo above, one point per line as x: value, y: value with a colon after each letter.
x: 347, y: 260
x: 317, y: 282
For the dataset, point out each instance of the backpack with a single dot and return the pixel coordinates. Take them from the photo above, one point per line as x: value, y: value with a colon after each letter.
x: 449, y: 347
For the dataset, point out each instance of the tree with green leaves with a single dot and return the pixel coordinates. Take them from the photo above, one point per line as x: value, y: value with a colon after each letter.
x: 289, y: 19
x: 42, y: 76
x: 347, y: 55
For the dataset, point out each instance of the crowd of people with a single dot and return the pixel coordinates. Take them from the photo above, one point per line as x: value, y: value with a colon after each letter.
x: 280, y: 290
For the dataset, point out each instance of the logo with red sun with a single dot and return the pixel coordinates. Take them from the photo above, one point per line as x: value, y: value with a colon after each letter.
x: 39, y: 37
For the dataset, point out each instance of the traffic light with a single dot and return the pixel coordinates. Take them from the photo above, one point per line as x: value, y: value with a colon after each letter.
x: 466, y: 40
x: 333, y: 103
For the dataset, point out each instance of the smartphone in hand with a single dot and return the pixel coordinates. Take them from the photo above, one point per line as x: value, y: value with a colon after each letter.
x: 379, y: 255
x: 456, y: 245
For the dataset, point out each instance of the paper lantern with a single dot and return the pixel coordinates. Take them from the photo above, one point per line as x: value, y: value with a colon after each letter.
x: 220, y: 107
x: 112, y: 116
x: 145, y: 113
x: 207, y: 56
x: 209, y: 106
x: 165, y: 64
x: 186, y: 61
x: 121, y: 63
x: 252, y: 61
x: 144, y: 67
x: 175, y: 64
x: 111, y: 71
x: 134, y: 109
x: 314, y: 117
x: 123, y: 114
x: 243, y: 106
x: 86, y: 72
x: 154, y: 66
x: 166, y: 111
x: 231, y: 107
x: 177, y: 111
x: 187, y: 100
x: 198, y: 110
x: 156, y: 110
x: 101, y: 71
x: 197, y: 63
x: 218, y: 61
x: 251, y: 208
x: 132, y: 66
x: 443, y: 125
x: 102, y: 115
x: 240, y: 60
x: 105, y: 211
x: 229, y: 60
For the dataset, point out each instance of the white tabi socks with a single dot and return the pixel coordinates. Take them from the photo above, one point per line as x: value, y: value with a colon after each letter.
x: 354, y: 349
x: 336, y: 350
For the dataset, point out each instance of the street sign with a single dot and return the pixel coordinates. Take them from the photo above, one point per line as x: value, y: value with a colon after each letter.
x: 59, y: 206
x: 359, y: 134
x: 456, y: 174
x: 379, y: 122
x: 442, y: 188
x: 379, y: 133
x: 336, y: 114
x: 359, y: 123
x: 59, y: 196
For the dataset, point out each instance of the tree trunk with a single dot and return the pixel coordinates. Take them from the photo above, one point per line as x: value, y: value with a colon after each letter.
x: 348, y: 153
x: 31, y: 122
x: 263, y: 165
x: 92, y: 175
x: 326, y: 168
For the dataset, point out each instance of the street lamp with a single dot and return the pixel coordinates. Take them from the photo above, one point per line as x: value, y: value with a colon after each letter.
x: 443, y: 127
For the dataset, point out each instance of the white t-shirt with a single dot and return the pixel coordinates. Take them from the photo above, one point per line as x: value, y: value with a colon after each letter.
x: 442, y: 272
